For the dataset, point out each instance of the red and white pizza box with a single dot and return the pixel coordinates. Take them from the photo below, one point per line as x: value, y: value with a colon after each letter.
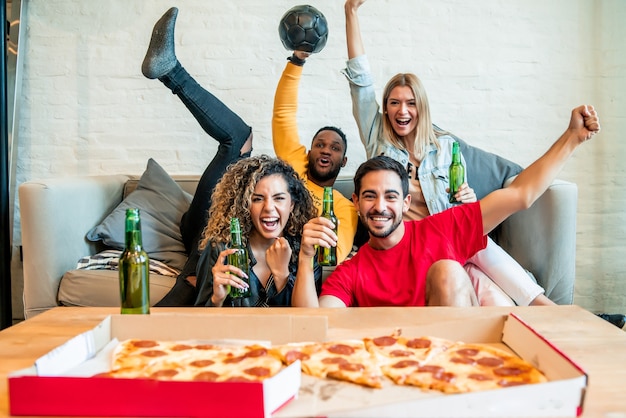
x: 561, y: 396
x: 60, y: 383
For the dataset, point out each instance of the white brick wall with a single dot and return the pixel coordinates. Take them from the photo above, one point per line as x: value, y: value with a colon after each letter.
x: 502, y: 74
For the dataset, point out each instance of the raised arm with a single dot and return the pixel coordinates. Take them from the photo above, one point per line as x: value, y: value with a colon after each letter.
x: 353, y: 30
x: 285, y: 137
x: 535, y: 179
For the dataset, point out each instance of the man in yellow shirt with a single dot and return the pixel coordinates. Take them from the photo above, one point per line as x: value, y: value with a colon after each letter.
x: 320, y: 166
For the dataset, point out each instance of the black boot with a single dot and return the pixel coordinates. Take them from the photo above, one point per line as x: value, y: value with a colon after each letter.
x: 161, y: 58
x: 618, y: 320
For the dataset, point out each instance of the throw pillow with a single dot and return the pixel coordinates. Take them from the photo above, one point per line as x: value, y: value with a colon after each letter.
x: 486, y: 172
x: 161, y: 203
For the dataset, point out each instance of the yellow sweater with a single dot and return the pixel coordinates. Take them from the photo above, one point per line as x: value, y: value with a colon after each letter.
x: 288, y: 148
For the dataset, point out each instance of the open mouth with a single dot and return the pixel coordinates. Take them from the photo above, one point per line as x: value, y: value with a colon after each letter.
x: 323, y: 162
x: 403, y: 121
x: 270, y: 223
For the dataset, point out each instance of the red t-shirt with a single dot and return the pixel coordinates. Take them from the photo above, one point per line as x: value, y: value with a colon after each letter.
x: 397, y: 276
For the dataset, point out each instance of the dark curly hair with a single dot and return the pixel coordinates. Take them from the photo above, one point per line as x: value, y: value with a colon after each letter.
x: 232, y: 197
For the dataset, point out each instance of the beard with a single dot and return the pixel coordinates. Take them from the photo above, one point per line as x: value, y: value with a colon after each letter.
x: 322, y: 177
x: 377, y: 233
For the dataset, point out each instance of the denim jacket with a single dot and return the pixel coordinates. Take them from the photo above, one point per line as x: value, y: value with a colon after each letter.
x: 433, y: 170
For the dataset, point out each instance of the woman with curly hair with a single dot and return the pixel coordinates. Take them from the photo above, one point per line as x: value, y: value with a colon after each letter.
x: 272, y: 205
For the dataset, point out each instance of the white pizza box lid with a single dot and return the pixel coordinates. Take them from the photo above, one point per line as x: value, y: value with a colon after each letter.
x: 60, y: 382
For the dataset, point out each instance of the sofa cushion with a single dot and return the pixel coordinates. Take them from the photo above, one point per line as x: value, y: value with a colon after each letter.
x: 161, y: 203
x: 101, y: 288
x: 486, y: 172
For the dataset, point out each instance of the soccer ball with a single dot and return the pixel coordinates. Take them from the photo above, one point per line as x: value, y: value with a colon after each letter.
x: 303, y: 28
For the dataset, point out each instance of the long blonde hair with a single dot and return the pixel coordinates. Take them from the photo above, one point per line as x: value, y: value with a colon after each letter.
x: 232, y: 197
x: 424, y: 132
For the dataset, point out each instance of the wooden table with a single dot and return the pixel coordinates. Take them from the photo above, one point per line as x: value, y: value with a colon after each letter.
x: 596, y: 345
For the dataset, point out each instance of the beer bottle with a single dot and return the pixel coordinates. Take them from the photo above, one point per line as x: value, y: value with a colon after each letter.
x: 457, y: 173
x: 328, y: 256
x: 133, y: 269
x: 238, y: 259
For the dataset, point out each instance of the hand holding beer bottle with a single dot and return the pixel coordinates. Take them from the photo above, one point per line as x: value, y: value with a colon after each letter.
x: 456, y: 173
x: 328, y: 256
x: 238, y: 259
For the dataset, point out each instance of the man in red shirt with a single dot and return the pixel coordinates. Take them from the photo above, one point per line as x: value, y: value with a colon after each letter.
x: 417, y: 263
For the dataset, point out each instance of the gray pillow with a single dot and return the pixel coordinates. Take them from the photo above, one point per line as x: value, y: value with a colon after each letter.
x: 161, y: 203
x: 486, y: 172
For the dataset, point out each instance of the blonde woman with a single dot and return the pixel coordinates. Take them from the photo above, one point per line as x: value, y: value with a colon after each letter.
x: 403, y: 130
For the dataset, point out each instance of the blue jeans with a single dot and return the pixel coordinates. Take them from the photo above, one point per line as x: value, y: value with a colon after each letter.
x: 231, y: 132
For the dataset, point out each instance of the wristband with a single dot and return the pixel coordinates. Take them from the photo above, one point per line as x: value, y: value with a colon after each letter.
x: 295, y: 60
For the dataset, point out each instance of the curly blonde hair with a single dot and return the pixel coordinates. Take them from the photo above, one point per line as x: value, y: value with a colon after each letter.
x: 232, y: 197
x: 425, y: 133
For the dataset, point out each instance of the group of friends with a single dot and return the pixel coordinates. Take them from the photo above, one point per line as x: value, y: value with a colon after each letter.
x: 418, y: 250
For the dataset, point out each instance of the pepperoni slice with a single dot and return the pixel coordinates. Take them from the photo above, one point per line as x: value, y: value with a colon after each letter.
x: 256, y: 352
x: 294, y: 355
x: 405, y: 363
x: 201, y: 363
x: 467, y: 352
x: 204, y: 347
x: 385, y: 341
x: 429, y: 368
x: 462, y: 360
x: 206, y: 377
x: 444, y: 376
x: 334, y: 360
x: 153, y: 353
x: 181, y: 347
x: 237, y: 359
x: 258, y: 371
x: 145, y: 343
x: 490, y: 361
x: 351, y: 367
x: 508, y: 371
x: 480, y: 377
x: 418, y: 343
x: 342, y: 349
x: 164, y: 373
x: 239, y: 379
x: 400, y: 353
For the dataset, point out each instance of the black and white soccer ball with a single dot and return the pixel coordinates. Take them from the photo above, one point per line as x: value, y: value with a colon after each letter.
x: 303, y: 28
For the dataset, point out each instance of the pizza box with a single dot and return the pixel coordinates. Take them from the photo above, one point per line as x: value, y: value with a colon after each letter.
x: 561, y: 396
x: 61, y: 383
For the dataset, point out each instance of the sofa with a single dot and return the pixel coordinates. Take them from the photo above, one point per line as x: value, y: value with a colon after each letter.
x: 57, y: 216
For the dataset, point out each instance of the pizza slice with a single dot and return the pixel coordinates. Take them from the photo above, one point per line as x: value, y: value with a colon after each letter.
x: 474, y: 367
x: 400, y: 356
x: 341, y: 360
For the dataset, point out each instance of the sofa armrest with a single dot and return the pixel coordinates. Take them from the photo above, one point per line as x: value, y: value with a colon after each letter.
x: 543, y: 240
x: 55, y: 216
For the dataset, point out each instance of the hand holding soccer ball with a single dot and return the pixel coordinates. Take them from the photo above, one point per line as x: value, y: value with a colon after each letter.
x: 303, y: 28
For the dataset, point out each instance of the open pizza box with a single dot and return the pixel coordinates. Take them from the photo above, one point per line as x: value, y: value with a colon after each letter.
x: 290, y: 394
x: 61, y: 383
x: 561, y: 396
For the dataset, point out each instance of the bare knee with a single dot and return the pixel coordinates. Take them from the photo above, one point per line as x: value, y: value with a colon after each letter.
x: 447, y: 284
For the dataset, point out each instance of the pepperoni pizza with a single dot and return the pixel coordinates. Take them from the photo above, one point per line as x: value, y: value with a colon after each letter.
x: 167, y: 360
x: 426, y: 362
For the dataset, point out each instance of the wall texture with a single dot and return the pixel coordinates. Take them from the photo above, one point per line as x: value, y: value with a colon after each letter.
x: 502, y: 74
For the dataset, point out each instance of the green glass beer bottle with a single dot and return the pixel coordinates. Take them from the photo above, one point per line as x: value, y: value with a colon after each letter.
x: 328, y: 256
x: 238, y: 259
x: 133, y: 269
x: 456, y: 174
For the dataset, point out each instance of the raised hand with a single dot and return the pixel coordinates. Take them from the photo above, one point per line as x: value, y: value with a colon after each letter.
x: 277, y: 257
x: 584, y: 122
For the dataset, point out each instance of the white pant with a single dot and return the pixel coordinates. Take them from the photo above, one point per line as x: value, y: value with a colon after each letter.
x: 499, y: 280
